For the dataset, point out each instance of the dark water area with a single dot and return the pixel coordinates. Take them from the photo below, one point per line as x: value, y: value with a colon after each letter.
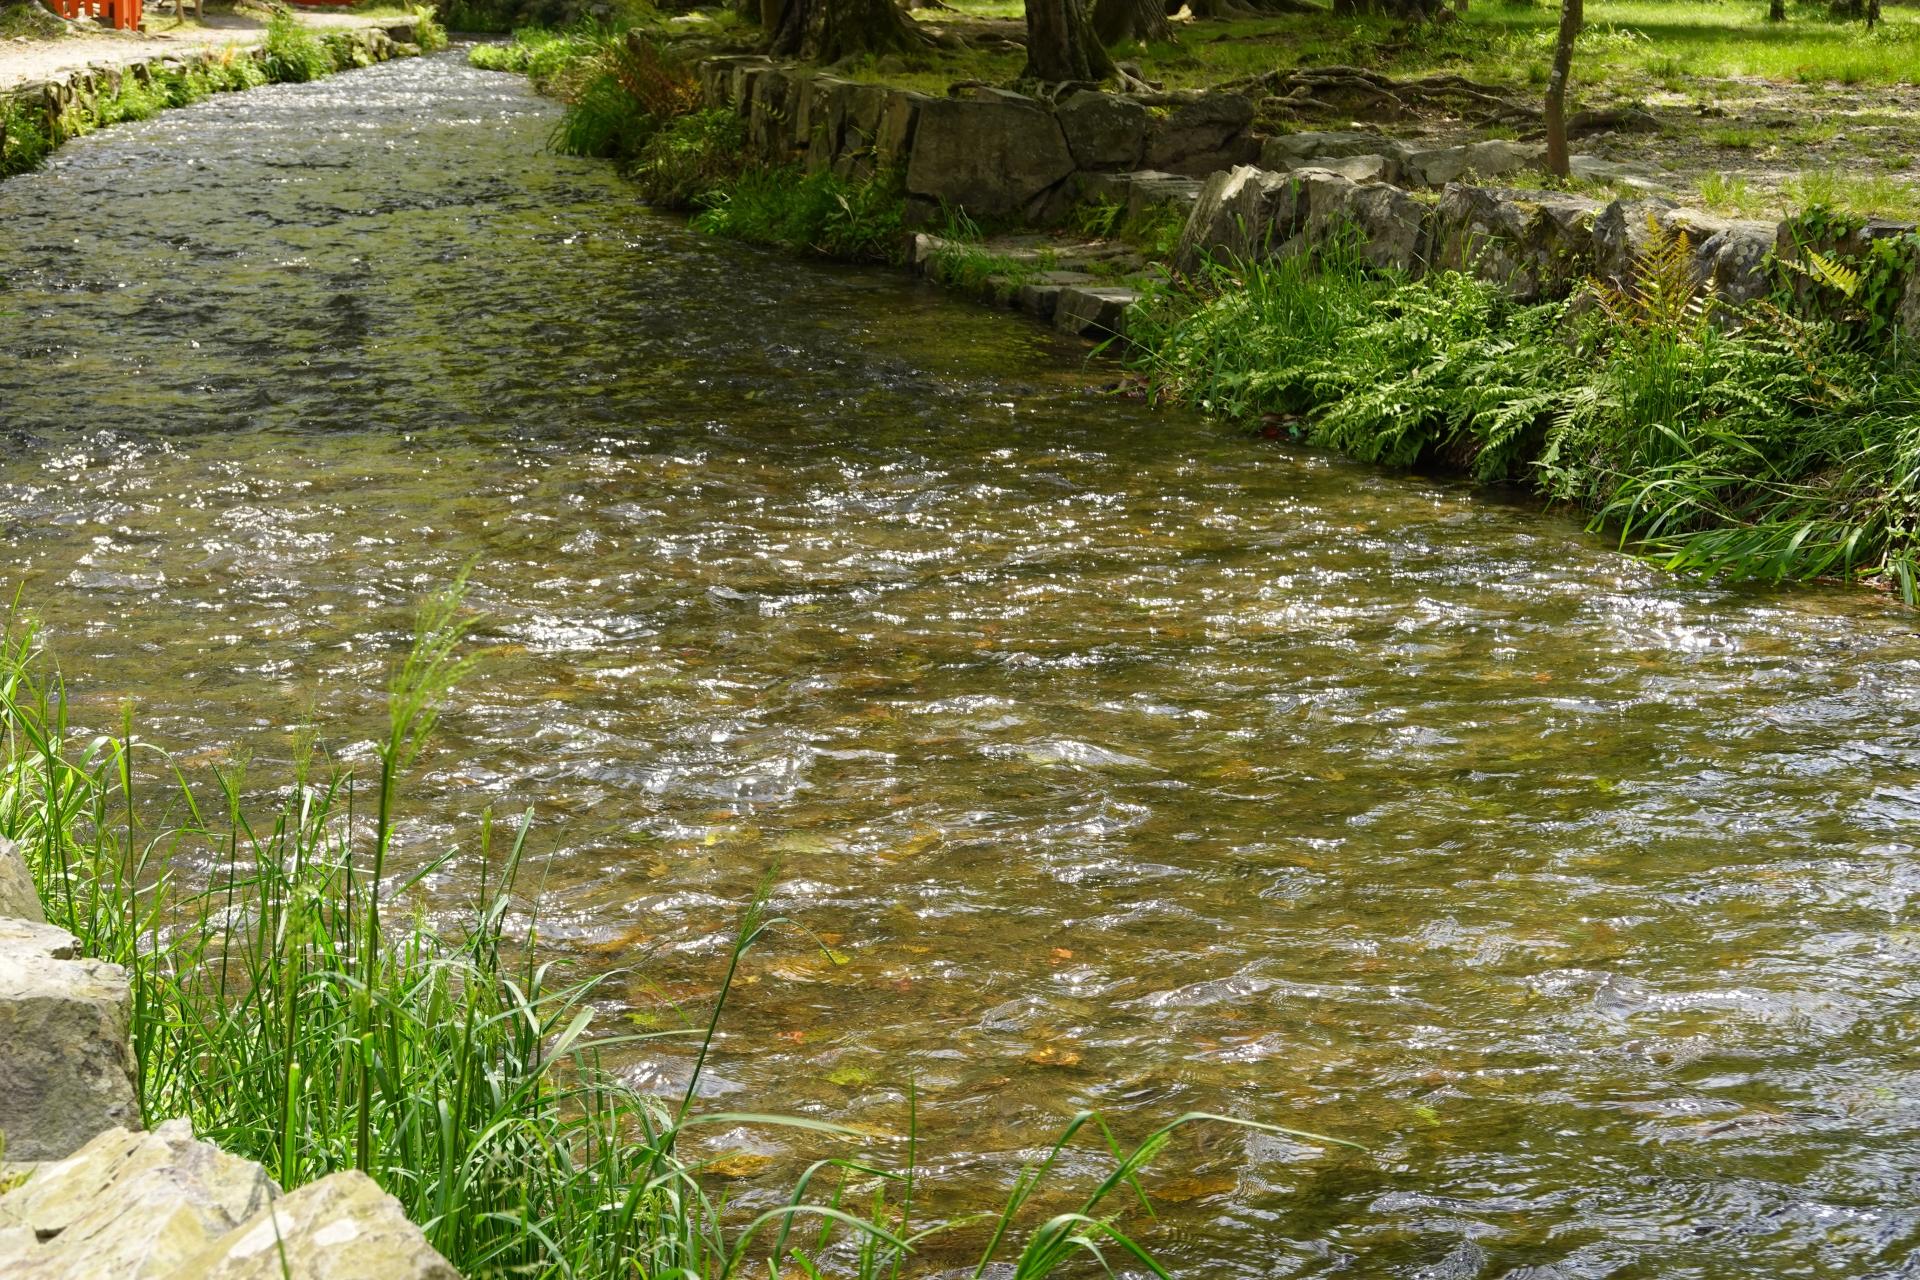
x: 1120, y: 761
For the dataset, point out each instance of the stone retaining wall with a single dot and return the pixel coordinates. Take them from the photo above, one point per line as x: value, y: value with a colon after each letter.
x: 85, y: 1195
x: 1006, y: 158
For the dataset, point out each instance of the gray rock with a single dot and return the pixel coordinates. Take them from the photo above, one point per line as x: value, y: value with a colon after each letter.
x: 1150, y: 190
x: 131, y: 1204
x: 66, y: 1072
x: 1621, y: 233
x: 22, y: 936
x: 1103, y: 131
x: 766, y: 116
x: 1481, y: 159
x: 1732, y: 255
x: 1235, y: 218
x: 1094, y: 311
x: 1203, y: 136
x: 990, y: 156
x: 1385, y: 225
x: 1909, y: 314
x: 343, y: 1227
x: 1299, y: 150
x: 19, y: 899
x: 1594, y: 169
x: 899, y: 115
x: 1535, y: 244
x: 854, y: 112
x: 1366, y: 168
x: 817, y: 129
x: 1039, y: 296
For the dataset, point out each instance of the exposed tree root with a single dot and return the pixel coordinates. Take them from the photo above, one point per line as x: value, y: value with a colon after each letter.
x: 1343, y: 89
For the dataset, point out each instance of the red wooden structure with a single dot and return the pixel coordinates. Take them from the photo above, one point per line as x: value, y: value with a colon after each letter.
x: 124, y: 14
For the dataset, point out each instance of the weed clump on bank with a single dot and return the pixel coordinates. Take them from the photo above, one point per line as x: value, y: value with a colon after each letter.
x: 1751, y: 442
x: 629, y: 101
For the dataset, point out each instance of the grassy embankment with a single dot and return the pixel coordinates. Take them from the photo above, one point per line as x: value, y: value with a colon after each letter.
x: 291, y: 999
x: 294, y: 55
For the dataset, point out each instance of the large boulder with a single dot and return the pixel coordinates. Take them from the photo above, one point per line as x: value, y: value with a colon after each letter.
x: 852, y: 123
x: 1534, y: 244
x: 899, y: 117
x: 19, y: 900
x: 66, y: 1071
x: 1383, y: 225
x: 991, y: 155
x: 1731, y: 256
x: 161, y: 1206
x: 1103, y: 131
x: 130, y: 1205
x: 1094, y: 311
x: 817, y: 129
x: 1205, y: 135
x: 343, y: 1227
x: 1241, y: 214
x: 1363, y: 168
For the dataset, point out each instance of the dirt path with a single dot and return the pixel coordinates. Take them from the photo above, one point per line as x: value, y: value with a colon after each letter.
x: 23, y: 59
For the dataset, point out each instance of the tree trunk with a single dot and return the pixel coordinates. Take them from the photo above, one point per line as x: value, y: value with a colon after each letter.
x: 1777, y: 11
x: 1873, y: 14
x: 1559, y: 163
x: 1061, y: 44
x: 1117, y: 20
x: 829, y: 30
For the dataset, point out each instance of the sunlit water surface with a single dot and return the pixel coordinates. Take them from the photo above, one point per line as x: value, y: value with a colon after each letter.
x: 1123, y: 761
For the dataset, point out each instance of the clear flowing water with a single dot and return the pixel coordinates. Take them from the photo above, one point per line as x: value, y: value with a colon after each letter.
x: 1121, y: 761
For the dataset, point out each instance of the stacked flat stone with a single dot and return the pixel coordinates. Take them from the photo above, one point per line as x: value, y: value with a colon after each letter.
x: 84, y: 1195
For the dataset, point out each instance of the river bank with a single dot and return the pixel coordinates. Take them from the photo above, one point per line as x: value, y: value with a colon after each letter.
x: 1730, y: 396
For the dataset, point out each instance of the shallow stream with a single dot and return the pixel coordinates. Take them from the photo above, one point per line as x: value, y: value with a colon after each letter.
x: 1119, y: 760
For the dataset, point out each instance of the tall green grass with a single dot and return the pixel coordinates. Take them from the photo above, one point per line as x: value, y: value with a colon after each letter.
x: 1748, y: 443
x: 292, y: 998
x: 850, y: 220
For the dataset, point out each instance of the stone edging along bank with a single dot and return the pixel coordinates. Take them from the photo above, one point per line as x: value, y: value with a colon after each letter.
x: 67, y: 106
x: 1006, y: 157
x: 86, y: 1195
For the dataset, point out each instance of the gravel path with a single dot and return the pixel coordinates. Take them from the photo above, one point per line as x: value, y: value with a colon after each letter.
x: 24, y: 59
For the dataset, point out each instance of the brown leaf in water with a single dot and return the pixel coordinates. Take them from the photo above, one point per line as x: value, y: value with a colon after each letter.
x: 625, y: 940
x: 1060, y: 955
x: 1053, y: 1055
x: 1181, y: 1190
x: 792, y: 1037
x: 741, y: 1164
